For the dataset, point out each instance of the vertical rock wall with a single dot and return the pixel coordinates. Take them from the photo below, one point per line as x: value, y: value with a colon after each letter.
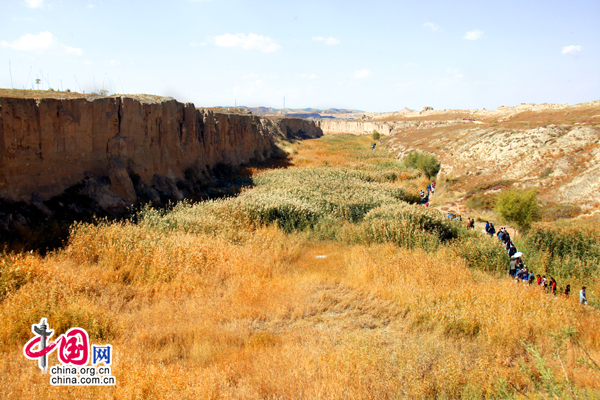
x: 47, y: 145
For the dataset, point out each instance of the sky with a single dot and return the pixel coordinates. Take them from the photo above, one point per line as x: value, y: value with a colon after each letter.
x: 369, y: 55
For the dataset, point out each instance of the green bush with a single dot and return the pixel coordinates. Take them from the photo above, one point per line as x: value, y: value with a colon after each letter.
x: 519, y: 207
x: 425, y: 162
x: 376, y: 135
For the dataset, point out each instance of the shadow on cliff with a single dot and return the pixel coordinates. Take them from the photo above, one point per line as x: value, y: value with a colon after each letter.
x: 43, y: 226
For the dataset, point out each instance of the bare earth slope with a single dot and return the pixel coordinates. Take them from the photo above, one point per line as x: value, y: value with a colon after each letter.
x: 555, y: 148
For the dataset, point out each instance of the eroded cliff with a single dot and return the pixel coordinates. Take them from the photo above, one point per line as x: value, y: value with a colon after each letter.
x: 48, y: 145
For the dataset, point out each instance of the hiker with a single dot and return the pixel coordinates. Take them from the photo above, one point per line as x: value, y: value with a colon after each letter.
x: 552, y: 286
x: 568, y: 290
x: 539, y: 279
x: 373, y: 147
x: 491, y: 229
x: 512, y: 250
x: 422, y: 193
x: 471, y: 224
x: 506, y: 235
x: 582, y: 296
x: 544, y: 282
x: 500, y: 234
x: 531, y: 278
x: 512, y: 267
x: 520, y: 264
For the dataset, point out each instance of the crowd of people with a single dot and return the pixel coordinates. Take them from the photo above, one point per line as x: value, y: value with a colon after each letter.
x: 517, y: 270
x: 425, y: 197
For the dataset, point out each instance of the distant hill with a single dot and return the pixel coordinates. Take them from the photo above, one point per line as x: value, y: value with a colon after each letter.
x: 303, y: 112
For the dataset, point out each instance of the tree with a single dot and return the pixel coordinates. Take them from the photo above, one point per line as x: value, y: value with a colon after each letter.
x: 376, y: 135
x: 37, y: 82
x: 519, y: 207
x: 425, y: 162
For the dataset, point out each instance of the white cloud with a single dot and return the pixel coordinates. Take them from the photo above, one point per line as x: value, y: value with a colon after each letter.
x: 473, y: 35
x: 35, y: 3
x: 363, y: 73
x: 44, y: 42
x: 572, y: 49
x: 328, y: 41
x: 431, y: 26
x: 250, y: 42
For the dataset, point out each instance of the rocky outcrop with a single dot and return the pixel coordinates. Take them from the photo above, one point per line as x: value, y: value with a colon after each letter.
x: 354, y: 126
x: 48, y: 145
x: 298, y: 127
x: 360, y: 127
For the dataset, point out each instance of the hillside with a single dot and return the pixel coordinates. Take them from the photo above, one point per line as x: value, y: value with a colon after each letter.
x: 554, y: 148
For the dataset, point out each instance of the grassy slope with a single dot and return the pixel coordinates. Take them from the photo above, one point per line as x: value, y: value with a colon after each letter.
x: 205, y: 302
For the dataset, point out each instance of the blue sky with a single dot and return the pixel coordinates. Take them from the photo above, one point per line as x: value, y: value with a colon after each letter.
x: 373, y: 56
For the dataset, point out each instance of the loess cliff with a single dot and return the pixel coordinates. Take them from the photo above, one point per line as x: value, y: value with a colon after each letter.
x: 50, y: 144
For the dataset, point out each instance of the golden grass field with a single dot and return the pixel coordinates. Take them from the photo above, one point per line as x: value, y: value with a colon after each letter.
x: 202, y: 304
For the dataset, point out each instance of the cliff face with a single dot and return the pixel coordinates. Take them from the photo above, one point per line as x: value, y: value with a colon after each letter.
x: 48, y: 145
x: 298, y: 127
x: 353, y: 126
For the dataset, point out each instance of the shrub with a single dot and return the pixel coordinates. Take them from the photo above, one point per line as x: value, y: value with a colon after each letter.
x: 519, y: 207
x: 425, y: 162
x: 376, y: 135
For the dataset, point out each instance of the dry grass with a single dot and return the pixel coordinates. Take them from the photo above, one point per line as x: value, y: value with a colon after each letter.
x: 39, y: 94
x: 198, y: 307
x: 270, y: 319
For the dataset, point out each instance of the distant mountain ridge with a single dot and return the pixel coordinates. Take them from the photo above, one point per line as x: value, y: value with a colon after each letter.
x: 300, y: 112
